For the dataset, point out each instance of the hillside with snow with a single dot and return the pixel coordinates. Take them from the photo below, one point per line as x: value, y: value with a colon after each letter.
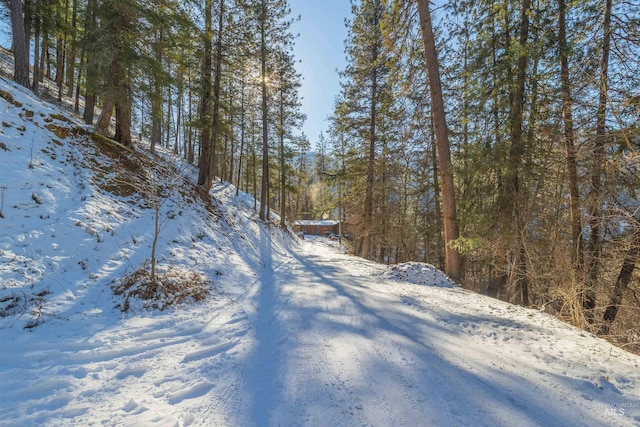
x: 283, y: 333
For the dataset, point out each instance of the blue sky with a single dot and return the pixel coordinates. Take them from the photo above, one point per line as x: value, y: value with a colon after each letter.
x: 5, y: 29
x: 320, y: 48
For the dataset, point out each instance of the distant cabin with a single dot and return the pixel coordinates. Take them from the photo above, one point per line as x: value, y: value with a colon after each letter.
x: 316, y: 227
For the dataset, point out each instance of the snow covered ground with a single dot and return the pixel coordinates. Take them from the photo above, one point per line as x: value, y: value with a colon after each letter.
x: 294, y: 333
x: 320, y: 338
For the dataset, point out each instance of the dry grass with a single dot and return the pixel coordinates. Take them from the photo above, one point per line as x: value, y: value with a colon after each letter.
x: 9, y: 98
x: 170, y: 288
x: 21, y: 304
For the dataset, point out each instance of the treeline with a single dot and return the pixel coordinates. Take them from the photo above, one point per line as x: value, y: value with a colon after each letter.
x: 212, y: 80
x: 542, y: 107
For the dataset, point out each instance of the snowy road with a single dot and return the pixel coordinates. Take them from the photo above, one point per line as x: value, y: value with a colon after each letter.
x: 321, y: 339
x: 338, y: 346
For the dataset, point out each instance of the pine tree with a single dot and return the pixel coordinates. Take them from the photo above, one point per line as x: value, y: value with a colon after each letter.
x: 269, y: 23
x: 205, y: 176
x: 92, y: 67
x: 118, y: 17
x: 452, y: 256
x: 289, y: 118
x: 577, y: 255
x: 595, y: 196
x: 212, y: 99
x: 20, y: 43
x: 365, y: 85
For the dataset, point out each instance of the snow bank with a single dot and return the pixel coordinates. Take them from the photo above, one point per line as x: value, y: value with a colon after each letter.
x: 418, y: 273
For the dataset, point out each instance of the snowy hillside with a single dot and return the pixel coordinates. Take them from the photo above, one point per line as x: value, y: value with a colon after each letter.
x: 77, y: 215
x: 289, y: 335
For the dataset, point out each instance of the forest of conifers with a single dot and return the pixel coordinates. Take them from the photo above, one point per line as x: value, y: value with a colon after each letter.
x: 541, y: 107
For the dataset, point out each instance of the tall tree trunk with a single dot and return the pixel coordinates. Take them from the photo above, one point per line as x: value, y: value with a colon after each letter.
x: 622, y: 282
x: 107, y: 112
x: 121, y: 94
x: 123, y: 117
x: 119, y: 76
x: 232, y: 150
x: 254, y: 170
x: 156, y: 98
x: 61, y: 51
x: 283, y: 175
x: 440, y: 249
x: 36, y: 55
x: 89, y: 107
x: 71, y: 50
x: 511, y: 201
x: 169, y: 116
x: 264, y: 192
x: 216, y: 125
x: 179, y: 108
x: 43, y: 53
x: 453, y: 261
x: 365, y: 248
x: 496, y: 282
x: 242, y: 132
x: 595, y: 196
x: 232, y: 136
x: 188, y: 139
x: 28, y: 23
x: 384, y: 243
x: 47, y: 60
x: 224, y: 153
x: 501, y: 22
x: 577, y: 256
x: 205, y: 175
x: 520, y: 278
x: 90, y: 95
x: 76, y: 106
x: 20, y: 43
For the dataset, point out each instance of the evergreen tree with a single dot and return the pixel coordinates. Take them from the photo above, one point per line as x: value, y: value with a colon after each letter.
x: 289, y: 118
x: 365, y: 85
x: 119, y: 18
x: 452, y: 257
x: 270, y: 23
x: 20, y: 43
x: 205, y: 176
x: 208, y: 159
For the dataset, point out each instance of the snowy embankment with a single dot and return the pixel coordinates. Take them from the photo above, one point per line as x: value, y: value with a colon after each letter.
x: 77, y: 214
x: 290, y: 336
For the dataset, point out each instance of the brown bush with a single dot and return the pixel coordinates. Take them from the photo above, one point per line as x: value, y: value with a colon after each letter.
x: 175, y: 286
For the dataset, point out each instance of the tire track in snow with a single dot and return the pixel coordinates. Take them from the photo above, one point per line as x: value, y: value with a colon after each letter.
x: 348, y: 368
x: 434, y: 388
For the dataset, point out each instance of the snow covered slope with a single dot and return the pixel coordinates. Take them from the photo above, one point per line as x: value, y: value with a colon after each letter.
x: 77, y: 216
x: 290, y: 336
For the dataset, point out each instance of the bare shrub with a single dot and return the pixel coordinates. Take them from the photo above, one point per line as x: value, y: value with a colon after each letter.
x: 140, y: 290
x: 22, y: 303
